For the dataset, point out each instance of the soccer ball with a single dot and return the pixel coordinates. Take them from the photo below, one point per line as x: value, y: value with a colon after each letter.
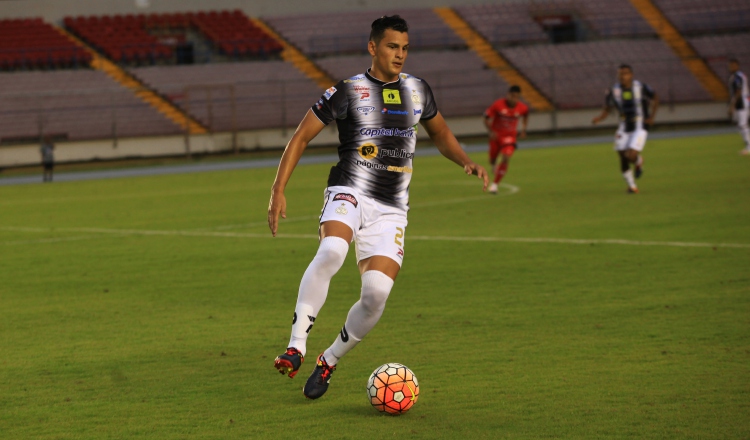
x: 393, y: 388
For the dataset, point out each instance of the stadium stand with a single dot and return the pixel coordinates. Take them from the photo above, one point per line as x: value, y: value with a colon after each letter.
x: 31, y: 43
x: 129, y: 39
x: 717, y: 49
x: 258, y: 91
x: 314, y: 35
x: 504, y: 23
x: 266, y: 93
x: 519, y: 22
x: 465, y: 88
x: 235, y: 34
x: 696, y: 16
x: 575, y: 75
x: 121, y: 38
x: 73, y: 105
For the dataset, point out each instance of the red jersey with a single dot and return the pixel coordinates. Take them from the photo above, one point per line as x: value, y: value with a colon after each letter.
x: 505, y: 118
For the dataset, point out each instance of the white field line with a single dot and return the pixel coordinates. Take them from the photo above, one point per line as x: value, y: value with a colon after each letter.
x: 187, y: 233
x: 49, y: 240
x: 511, y: 189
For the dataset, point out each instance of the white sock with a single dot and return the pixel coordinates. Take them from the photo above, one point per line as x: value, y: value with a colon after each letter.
x: 745, y: 130
x: 364, y: 314
x: 628, y: 176
x: 313, y: 289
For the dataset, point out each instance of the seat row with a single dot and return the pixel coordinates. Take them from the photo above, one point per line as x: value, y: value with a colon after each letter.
x: 32, y: 43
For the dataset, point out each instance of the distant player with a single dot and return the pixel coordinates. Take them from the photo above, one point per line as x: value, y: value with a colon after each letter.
x: 637, y: 104
x: 47, y: 151
x: 501, y: 120
x: 367, y: 196
x: 739, y: 102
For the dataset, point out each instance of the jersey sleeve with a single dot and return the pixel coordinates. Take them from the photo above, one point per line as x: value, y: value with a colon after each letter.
x: 648, y: 91
x: 491, y: 111
x: 609, y: 100
x: 736, y: 83
x: 332, y: 105
x: 525, y: 111
x: 430, y: 106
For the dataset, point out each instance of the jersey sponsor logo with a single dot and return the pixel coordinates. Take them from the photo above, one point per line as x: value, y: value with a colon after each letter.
x: 328, y: 93
x: 385, y: 111
x: 381, y: 167
x: 363, y: 92
x: 627, y: 94
x: 414, y: 97
x: 400, y: 253
x: 342, y: 210
x: 417, y: 111
x: 391, y: 97
x: 395, y: 132
x: 365, y: 110
x: 368, y: 150
x: 319, y: 104
x: 347, y: 198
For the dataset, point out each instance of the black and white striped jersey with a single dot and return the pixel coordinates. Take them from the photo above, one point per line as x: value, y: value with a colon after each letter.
x: 633, y: 103
x: 738, y: 84
x: 377, y: 124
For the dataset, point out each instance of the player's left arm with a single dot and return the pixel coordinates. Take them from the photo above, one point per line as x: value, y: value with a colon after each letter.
x: 524, y: 124
x: 449, y: 147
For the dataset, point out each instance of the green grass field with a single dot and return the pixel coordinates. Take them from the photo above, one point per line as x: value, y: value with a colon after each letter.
x: 153, y: 307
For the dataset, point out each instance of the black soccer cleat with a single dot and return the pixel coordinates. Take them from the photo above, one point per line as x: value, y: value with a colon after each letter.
x: 317, y: 383
x: 289, y: 362
x: 638, y: 172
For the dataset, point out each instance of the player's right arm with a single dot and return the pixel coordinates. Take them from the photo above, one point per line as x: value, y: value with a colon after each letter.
x: 608, y: 104
x: 489, y: 118
x: 306, y: 131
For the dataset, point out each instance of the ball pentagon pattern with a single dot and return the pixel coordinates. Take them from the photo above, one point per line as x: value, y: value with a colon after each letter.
x: 392, y: 388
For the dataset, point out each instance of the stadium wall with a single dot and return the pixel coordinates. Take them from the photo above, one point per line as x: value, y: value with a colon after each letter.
x: 55, y: 10
x: 25, y: 155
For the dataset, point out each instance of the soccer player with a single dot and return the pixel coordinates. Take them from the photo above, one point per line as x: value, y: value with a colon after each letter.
x: 739, y: 101
x: 367, y: 196
x: 637, y: 104
x: 501, y: 120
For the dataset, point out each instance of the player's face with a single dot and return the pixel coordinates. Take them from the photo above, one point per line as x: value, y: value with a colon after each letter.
x: 512, y: 98
x: 389, y: 55
x: 626, y: 77
x: 733, y: 67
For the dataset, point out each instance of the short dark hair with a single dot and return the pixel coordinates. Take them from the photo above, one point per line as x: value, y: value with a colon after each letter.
x: 514, y: 89
x: 734, y: 60
x: 625, y: 66
x: 385, y: 22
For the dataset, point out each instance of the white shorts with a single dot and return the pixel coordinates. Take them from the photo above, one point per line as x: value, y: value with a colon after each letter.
x: 740, y: 117
x: 635, y: 140
x: 378, y: 228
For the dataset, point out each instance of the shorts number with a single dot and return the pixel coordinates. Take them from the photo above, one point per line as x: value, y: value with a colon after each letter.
x: 399, y: 236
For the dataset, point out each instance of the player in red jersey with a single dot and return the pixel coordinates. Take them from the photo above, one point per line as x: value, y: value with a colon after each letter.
x: 501, y: 120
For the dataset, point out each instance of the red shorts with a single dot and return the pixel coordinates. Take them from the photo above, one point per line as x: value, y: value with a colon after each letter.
x: 502, y: 144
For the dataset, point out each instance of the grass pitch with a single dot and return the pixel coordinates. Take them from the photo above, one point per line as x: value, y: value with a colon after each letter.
x: 153, y: 307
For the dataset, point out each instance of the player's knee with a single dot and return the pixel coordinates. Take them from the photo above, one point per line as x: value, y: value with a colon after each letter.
x: 374, y: 298
x: 376, y: 287
x: 331, y: 255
